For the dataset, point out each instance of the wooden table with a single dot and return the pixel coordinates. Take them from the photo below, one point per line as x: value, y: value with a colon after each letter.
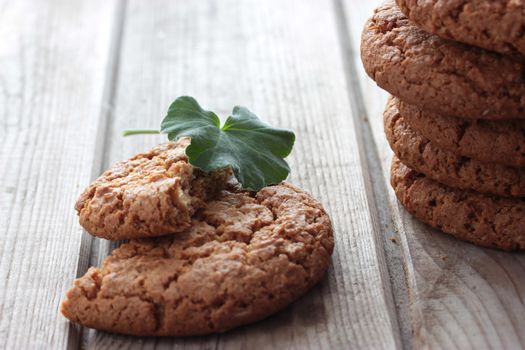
x: 74, y: 74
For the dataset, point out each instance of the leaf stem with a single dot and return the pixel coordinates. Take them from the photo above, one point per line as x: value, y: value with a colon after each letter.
x: 140, y: 132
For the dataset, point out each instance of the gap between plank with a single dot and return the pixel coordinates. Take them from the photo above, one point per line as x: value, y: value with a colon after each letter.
x: 89, y: 252
x: 376, y: 187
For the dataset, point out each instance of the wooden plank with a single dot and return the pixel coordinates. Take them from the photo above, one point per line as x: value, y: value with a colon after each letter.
x: 283, y: 60
x: 53, y: 60
x: 378, y: 188
x: 462, y: 296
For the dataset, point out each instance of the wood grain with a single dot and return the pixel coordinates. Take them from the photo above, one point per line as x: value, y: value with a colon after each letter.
x: 283, y: 60
x: 53, y: 60
x: 462, y: 296
x: 373, y: 166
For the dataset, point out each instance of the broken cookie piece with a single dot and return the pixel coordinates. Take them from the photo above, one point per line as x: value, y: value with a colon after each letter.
x: 151, y: 194
x: 244, y: 257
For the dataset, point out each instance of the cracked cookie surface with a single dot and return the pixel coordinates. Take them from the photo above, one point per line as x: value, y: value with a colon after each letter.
x: 493, y: 25
x: 151, y: 194
x: 244, y: 257
x: 420, y: 154
x: 488, y: 221
x: 438, y: 75
x: 501, y: 141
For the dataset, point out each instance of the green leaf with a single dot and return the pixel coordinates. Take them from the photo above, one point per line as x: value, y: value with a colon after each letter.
x: 254, y: 150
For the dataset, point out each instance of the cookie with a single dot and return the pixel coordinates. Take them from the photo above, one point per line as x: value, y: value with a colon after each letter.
x: 484, y: 220
x: 493, y: 25
x: 456, y: 171
x: 501, y: 141
x: 245, y: 257
x: 437, y: 75
x: 151, y: 194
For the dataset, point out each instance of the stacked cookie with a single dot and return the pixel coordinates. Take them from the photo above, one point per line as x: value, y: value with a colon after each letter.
x: 456, y: 121
x: 205, y: 255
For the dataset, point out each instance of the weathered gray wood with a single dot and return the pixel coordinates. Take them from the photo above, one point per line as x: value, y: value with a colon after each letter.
x: 373, y: 166
x: 462, y: 296
x: 53, y: 62
x: 283, y: 60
